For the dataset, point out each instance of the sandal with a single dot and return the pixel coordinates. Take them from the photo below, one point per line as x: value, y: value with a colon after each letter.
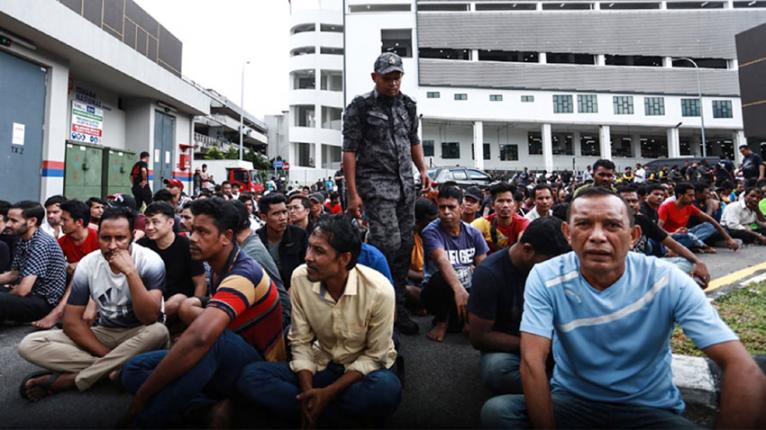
x: 45, y: 386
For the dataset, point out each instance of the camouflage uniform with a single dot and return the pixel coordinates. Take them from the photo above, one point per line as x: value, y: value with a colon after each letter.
x: 381, y: 131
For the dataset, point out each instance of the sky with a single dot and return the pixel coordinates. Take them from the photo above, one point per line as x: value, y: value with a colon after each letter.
x: 219, y: 36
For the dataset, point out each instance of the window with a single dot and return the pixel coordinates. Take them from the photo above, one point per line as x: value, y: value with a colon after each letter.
x: 516, y: 7
x: 589, y: 145
x: 703, y: 63
x: 331, y: 156
x: 562, y: 144
x: 615, y: 5
x: 621, y: 146
x: 332, y: 80
x: 306, y: 50
x: 511, y: 56
x: 569, y: 58
x: 535, y: 142
x: 527, y: 99
x: 304, y: 116
x: 566, y: 6
x: 690, y: 107
x: 428, y: 148
x: 303, y: 151
x: 450, y: 150
x: 748, y: 3
x: 654, y: 147
x: 587, y: 103
x: 398, y: 41
x: 654, y: 106
x: 633, y: 60
x: 509, y: 152
x: 722, y: 109
x: 331, y: 117
x: 495, y: 97
x: 458, y: 174
x: 433, y: 95
x: 477, y: 174
x: 485, y: 149
x: 623, y: 105
x: 461, y: 96
x: 302, y: 28
x: 331, y: 51
x: 696, y: 5
x: 444, y: 53
x: 562, y: 104
x: 442, y: 8
x: 304, y: 80
x: 331, y: 28
x: 379, y: 8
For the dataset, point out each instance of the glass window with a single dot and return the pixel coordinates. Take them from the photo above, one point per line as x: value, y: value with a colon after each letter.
x: 589, y: 145
x: 562, y: 144
x: 304, y: 80
x: 486, y: 149
x: 527, y: 99
x: 623, y: 105
x: 442, y: 7
x: 330, y: 51
x: 444, y: 53
x: 304, y: 116
x: 306, y: 50
x: 587, y: 103
x: 495, y: 97
x: 332, y: 80
x: 509, y: 152
x: 509, y: 56
x: 450, y: 150
x: 722, y: 109
x: 331, y: 117
x: 690, y: 107
x: 654, y: 106
x: 633, y: 60
x: 428, y: 148
x: 433, y: 95
x: 535, y: 142
x: 461, y: 96
x: 478, y: 174
x: 379, y: 8
x: 458, y: 174
x: 703, y: 63
x: 331, y: 28
x: 398, y: 41
x: 562, y: 104
x: 621, y: 146
x: 569, y: 58
x: 654, y: 147
x: 302, y: 28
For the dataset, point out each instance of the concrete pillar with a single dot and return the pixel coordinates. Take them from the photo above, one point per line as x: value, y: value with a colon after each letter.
x: 474, y: 55
x: 729, y: 4
x: 542, y: 58
x: 600, y: 60
x: 663, y: 5
x: 739, y: 139
x: 547, y: 147
x: 667, y: 61
x: 635, y: 145
x: 605, y: 142
x: 576, y: 144
x: 478, y: 144
x: 596, y: 6
x: 318, y: 155
x: 674, y: 146
x: 539, y: 5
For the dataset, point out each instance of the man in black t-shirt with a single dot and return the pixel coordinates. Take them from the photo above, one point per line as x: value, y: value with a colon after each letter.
x: 184, y: 277
x: 497, y: 300
x: 752, y: 164
x: 139, y: 178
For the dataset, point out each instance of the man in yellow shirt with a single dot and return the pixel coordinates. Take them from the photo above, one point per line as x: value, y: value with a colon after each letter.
x: 341, y: 338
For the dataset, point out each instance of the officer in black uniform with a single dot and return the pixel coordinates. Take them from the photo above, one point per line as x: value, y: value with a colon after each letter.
x: 380, y: 143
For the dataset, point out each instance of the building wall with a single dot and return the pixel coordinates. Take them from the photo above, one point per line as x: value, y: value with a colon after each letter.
x: 752, y: 68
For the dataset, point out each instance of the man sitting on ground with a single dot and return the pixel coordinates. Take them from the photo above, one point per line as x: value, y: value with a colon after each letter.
x: 184, y: 277
x: 425, y: 212
x: 299, y: 209
x: 240, y: 324
x: 497, y: 299
x: 97, y: 206
x: 543, y: 198
x: 604, y: 175
x: 471, y: 204
x: 126, y: 281
x: 52, y: 224
x: 342, y: 350
x: 655, y: 196
x: 286, y: 243
x: 609, y: 314
x: 674, y: 217
x: 37, y: 278
x: 740, y: 216
x: 502, y: 228
x: 78, y: 241
x: 453, y: 249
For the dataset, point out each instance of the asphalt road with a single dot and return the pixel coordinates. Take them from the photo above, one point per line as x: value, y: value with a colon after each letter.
x: 442, y: 380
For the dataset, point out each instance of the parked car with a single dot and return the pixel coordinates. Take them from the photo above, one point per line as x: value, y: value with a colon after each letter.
x: 463, y: 176
x: 659, y: 163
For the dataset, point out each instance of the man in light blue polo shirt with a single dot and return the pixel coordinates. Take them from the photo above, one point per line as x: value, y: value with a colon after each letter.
x: 609, y: 314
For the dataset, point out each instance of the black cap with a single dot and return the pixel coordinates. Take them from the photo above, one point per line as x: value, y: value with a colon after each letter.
x: 474, y: 193
x: 317, y: 197
x: 388, y: 62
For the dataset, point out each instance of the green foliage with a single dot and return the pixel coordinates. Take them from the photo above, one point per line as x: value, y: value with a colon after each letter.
x: 213, y: 154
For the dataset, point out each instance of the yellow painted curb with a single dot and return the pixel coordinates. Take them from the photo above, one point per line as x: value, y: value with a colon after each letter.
x: 734, y: 277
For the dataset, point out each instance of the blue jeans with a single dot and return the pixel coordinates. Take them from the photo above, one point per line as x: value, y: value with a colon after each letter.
x: 500, y: 372
x: 510, y: 412
x: 275, y: 387
x: 213, y: 378
x: 696, y: 235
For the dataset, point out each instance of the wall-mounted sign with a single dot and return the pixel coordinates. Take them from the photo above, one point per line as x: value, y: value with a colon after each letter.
x: 18, y: 134
x: 87, y: 123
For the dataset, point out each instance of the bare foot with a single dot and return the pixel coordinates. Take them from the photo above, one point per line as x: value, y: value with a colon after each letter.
x: 708, y: 250
x: 221, y: 415
x: 48, y: 322
x: 48, y: 384
x: 438, y: 332
x: 114, y: 375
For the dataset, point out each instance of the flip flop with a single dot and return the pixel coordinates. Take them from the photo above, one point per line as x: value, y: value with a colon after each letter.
x: 46, y: 386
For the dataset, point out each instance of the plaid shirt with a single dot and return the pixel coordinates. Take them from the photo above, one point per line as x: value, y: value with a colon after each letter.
x: 41, y: 256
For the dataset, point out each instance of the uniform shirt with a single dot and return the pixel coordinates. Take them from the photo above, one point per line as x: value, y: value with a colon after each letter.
x: 250, y: 299
x: 614, y: 345
x: 675, y: 218
x: 356, y: 331
x: 41, y: 256
x: 737, y: 216
x: 73, y: 252
x: 94, y: 278
x: 499, y: 236
x: 381, y: 131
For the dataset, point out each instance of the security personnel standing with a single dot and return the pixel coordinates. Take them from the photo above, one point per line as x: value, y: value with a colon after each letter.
x: 380, y: 143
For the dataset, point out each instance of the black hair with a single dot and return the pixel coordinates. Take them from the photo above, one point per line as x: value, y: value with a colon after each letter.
x: 224, y: 183
x: 77, y: 210
x: 243, y: 197
x: 545, y: 236
x: 163, y: 208
x: 162, y: 195
x: 560, y: 210
x: 748, y: 190
x: 58, y: 199
x: 30, y: 209
x: 592, y: 192
x: 244, y: 217
x: 682, y: 187
x: 4, y: 206
x: 700, y: 187
x: 627, y: 188
x: 653, y: 187
x: 223, y: 213
x: 117, y: 212
x: 539, y: 187
x: 334, y: 195
x: 425, y: 208
x: 607, y: 164
x: 270, y: 199
x: 305, y: 201
x: 144, y: 154
x: 501, y: 187
x: 447, y: 191
x: 98, y: 200
x: 186, y: 205
x: 341, y: 235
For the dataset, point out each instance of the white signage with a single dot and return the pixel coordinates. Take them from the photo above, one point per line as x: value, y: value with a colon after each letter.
x: 87, y: 123
x: 18, y: 134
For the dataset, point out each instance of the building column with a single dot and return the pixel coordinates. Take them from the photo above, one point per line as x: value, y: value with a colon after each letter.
x: 576, y: 144
x: 596, y: 6
x: 729, y: 4
x: 601, y: 60
x: 539, y: 5
x: 605, y: 142
x: 739, y: 139
x: 674, y: 146
x: 667, y: 61
x: 542, y: 57
x: 474, y: 55
x: 635, y: 145
x: 478, y: 145
x: 318, y: 155
x: 663, y: 5
x: 547, y: 147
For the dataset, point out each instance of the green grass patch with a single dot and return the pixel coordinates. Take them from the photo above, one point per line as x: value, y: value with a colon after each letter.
x: 744, y: 310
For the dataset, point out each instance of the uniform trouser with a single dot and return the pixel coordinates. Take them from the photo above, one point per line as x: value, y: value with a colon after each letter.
x: 22, y: 309
x: 392, y: 225
x: 54, y: 350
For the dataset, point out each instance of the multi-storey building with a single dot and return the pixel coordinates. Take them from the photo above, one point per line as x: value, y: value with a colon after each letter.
x: 542, y: 84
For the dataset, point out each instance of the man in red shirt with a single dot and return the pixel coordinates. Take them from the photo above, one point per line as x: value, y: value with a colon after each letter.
x: 674, y: 217
x: 78, y: 241
x: 503, y: 228
x: 334, y: 206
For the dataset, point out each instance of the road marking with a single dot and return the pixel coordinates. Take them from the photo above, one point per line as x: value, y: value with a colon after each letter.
x: 733, y: 277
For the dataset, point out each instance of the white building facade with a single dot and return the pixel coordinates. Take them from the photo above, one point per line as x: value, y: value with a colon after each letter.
x: 547, y: 85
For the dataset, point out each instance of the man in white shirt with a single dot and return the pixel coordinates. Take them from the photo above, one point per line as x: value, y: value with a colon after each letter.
x: 52, y: 224
x: 542, y: 194
x: 739, y: 217
x: 640, y: 174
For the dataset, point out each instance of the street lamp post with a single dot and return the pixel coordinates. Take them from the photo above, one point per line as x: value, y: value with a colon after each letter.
x: 702, y: 113
x: 242, y: 109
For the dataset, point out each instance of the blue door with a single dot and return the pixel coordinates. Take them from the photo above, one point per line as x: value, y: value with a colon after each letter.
x: 22, y: 112
x: 164, y: 140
